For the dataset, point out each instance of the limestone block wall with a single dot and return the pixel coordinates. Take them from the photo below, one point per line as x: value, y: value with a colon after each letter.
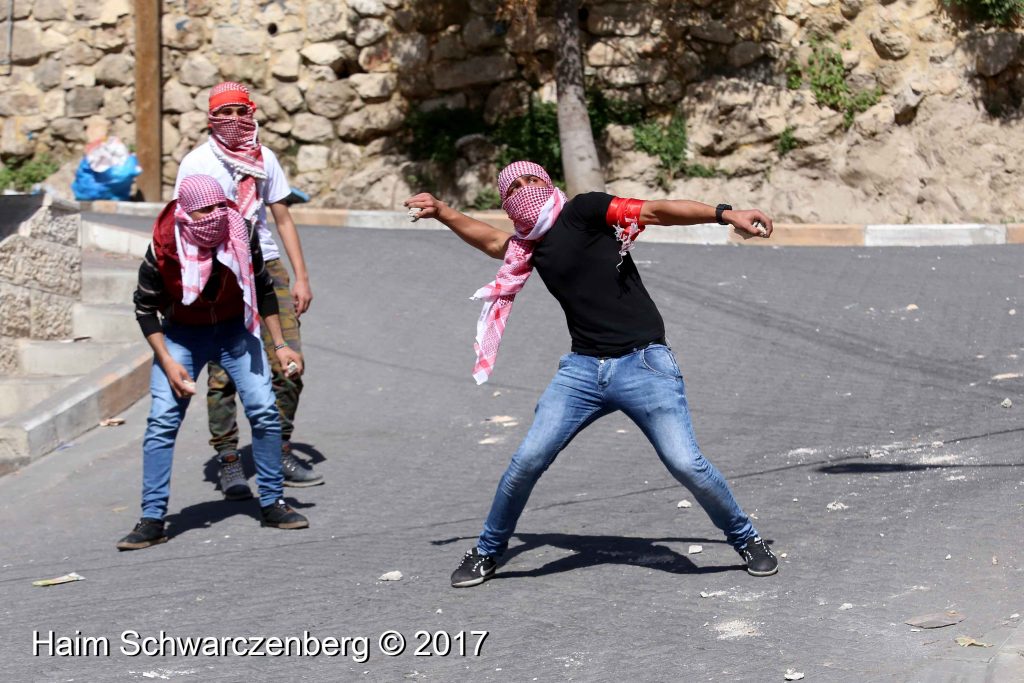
x: 336, y: 79
x: 70, y: 60
x: 40, y: 271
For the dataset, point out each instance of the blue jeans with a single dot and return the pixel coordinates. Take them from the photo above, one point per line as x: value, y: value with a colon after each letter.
x: 242, y: 355
x: 647, y: 386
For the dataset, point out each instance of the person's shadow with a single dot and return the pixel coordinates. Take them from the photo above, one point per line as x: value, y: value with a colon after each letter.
x: 313, y: 455
x: 210, y: 512
x: 212, y: 466
x: 591, y: 551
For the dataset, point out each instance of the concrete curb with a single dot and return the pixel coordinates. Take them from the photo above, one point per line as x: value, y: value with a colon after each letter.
x: 1004, y: 662
x: 786, y: 234
x: 102, y: 393
x: 114, y: 239
x: 1007, y: 664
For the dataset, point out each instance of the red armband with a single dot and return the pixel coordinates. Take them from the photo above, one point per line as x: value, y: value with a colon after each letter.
x: 625, y: 213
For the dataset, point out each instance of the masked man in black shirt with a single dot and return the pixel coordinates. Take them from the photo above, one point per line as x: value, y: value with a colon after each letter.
x: 619, y: 358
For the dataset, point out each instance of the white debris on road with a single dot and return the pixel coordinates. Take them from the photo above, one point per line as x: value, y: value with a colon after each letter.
x: 835, y: 506
x: 684, y: 504
x: 391, y: 576
x: 736, y: 628
x: 1007, y: 375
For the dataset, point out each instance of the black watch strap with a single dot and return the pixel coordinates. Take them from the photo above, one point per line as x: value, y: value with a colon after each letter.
x: 719, y: 210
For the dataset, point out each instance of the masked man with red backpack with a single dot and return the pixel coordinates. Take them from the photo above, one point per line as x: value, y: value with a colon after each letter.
x: 620, y: 359
x: 250, y: 175
x: 204, y: 274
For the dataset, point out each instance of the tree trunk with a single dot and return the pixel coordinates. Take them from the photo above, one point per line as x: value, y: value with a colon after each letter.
x: 579, y: 153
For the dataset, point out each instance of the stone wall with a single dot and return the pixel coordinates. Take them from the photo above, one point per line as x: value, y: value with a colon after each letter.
x: 40, y: 271
x: 71, y: 60
x: 336, y: 80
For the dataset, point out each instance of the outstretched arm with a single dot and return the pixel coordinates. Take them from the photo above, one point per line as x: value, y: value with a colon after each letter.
x: 686, y: 212
x: 484, y: 237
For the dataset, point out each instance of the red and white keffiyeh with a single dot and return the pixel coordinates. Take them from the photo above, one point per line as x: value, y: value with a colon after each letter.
x: 222, y: 231
x: 533, y: 210
x: 235, y: 141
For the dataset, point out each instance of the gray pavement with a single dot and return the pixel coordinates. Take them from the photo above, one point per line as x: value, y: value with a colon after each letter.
x: 860, y: 377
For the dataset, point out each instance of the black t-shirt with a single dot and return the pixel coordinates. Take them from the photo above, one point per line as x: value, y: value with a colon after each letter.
x: 607, y: 308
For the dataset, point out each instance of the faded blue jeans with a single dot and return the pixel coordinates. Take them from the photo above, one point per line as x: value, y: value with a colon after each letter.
x: 647, y: 386
x: 242, y: 355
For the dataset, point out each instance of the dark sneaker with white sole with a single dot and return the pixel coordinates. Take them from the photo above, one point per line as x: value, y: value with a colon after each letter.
x: 147, y: 532
x: 474, y: 569
x: 296, y: 472
x: 232, y: 478
x: 760, y: 559
x: 281, y: 516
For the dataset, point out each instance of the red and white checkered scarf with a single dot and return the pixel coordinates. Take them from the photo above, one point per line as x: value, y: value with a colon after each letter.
x: 235, y: 141
x: 222, y: 230
x: 533, y: 210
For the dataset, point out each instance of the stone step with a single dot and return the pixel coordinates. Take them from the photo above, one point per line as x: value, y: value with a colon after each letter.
x: 37, y: 357
x: 18, y: 393
x: 105, y: 285
x: 105, y: 322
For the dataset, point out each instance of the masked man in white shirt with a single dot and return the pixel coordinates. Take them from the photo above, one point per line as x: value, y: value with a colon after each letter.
x: 253, y: 178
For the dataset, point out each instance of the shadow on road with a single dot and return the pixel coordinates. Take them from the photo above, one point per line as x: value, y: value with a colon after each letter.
x: 884, y: 467
x: 310, y: 451
x: 212, y: 466
x: 211, y: 512
x: 591, y: 551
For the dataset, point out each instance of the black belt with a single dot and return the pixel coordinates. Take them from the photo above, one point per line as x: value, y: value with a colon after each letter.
x: 660, y: 341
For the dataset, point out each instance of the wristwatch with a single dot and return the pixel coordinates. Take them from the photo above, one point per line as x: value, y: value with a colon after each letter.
x: 719, y: 210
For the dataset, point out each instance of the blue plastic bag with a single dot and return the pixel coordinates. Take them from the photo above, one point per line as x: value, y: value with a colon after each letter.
x: 107, y: 171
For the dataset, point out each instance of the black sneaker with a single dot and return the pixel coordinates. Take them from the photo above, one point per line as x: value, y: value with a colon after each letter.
x: 474, y: 569
x: 147, y: 532
x: 761, y: 561
x: 281, y: 516
x: 232, y: 478
x: 297, y: 473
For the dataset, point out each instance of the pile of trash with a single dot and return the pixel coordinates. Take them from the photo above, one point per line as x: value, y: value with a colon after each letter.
x: 107, y: 171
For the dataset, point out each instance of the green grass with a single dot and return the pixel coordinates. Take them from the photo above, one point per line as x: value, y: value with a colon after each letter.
x: 24, y: 175
x: 999, y: 12
x: 787, y: 143
x: 827, y: 78
x: 668, y: 142
x: 534, y: 135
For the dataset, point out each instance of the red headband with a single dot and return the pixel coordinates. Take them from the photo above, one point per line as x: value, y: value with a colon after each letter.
x: 229, y: 93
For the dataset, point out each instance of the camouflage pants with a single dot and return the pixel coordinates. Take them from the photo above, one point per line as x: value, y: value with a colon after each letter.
x: 220, y: 395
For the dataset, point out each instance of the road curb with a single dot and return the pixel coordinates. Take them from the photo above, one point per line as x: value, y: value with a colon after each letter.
x: 786, y: 234
x: 59, y: 419
x: 1007, y: 664
x: 114, y: 239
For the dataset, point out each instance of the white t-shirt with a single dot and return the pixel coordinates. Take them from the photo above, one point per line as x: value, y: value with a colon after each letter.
x: 202, y: 161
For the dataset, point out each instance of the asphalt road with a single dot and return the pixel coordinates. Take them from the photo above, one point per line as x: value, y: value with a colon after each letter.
x: 861, y: 378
